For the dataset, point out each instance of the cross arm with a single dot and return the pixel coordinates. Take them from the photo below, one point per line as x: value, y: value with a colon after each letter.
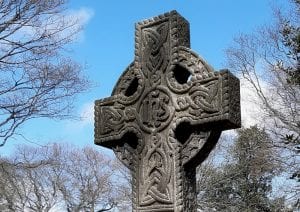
x: 213, y: 102
x: 113, y: 121
x: 209, y: 107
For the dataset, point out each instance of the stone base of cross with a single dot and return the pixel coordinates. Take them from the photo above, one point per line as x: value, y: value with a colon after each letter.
x: 166, y: 114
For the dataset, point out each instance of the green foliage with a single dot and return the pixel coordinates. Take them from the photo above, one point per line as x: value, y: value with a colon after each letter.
x: 244, y: 183
x: 267, y: 60
x: 290, y: 32
x: 254, y: 158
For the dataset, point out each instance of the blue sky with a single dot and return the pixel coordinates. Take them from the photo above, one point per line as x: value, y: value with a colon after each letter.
x: 106, y: 47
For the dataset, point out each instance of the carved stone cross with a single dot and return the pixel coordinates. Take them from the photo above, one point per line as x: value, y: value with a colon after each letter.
x: 165, y: 115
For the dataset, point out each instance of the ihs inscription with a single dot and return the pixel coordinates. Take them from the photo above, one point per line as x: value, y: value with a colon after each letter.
x: 166, y: 114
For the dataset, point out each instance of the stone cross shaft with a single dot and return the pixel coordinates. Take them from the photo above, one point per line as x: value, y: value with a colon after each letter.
x: 166, y: 114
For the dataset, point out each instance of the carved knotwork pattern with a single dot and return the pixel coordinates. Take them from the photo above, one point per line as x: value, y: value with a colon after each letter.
x: 126, y: 154
x: 203, y: 99
x: 194, y: 144
x: 111, y: 120
x: 155, y: 54
x: 156, y: 176
x: 189, y: 189
x: 168, y: 90
x: 183, y: 32
x: 114, y: 118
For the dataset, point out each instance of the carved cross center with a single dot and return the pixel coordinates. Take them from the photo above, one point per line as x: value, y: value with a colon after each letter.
x: 166, y: 114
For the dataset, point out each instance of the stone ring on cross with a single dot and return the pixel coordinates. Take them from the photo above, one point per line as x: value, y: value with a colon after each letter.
x: 166, y: 114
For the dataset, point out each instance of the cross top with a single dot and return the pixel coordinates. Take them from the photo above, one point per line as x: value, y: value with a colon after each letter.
x: 166, y: 114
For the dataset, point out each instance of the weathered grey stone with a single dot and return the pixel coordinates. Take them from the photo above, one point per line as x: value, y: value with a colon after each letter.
x: 166, y: 114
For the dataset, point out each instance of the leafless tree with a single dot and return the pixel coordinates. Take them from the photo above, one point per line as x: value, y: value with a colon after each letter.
x: 261, y: 58
x: 62, y: 177
x: 123, y: 182
x: 269, y: 61
x: 26, y: 182
x: 37, y: 79
x: 88, y: 181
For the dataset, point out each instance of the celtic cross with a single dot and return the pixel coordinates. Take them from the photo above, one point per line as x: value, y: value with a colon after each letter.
x: 166, y: 114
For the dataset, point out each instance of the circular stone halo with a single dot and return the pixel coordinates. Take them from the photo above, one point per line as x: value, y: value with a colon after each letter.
x: 127, y: 79
x: 190, y: 62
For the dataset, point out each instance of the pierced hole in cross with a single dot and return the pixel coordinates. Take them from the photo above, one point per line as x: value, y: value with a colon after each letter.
x: 131, y: 139
x: 183, y: 132
x: 132, y: 88
x: 181, y: 74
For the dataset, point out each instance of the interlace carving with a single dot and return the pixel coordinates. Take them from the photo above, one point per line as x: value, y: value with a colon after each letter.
x: 156, y: 185
x: 155, y: 55
x: 166, y: 114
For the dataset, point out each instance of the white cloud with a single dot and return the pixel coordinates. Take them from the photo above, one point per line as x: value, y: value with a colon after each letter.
x: 87, y: 113
x: 252, y: 105
x: 86, y: 118
x: 75, y: 19
x: 83, y: 15
x: 250, y: 109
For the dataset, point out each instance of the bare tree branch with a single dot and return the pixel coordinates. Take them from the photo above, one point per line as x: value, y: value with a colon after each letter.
x: 36, y: 79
